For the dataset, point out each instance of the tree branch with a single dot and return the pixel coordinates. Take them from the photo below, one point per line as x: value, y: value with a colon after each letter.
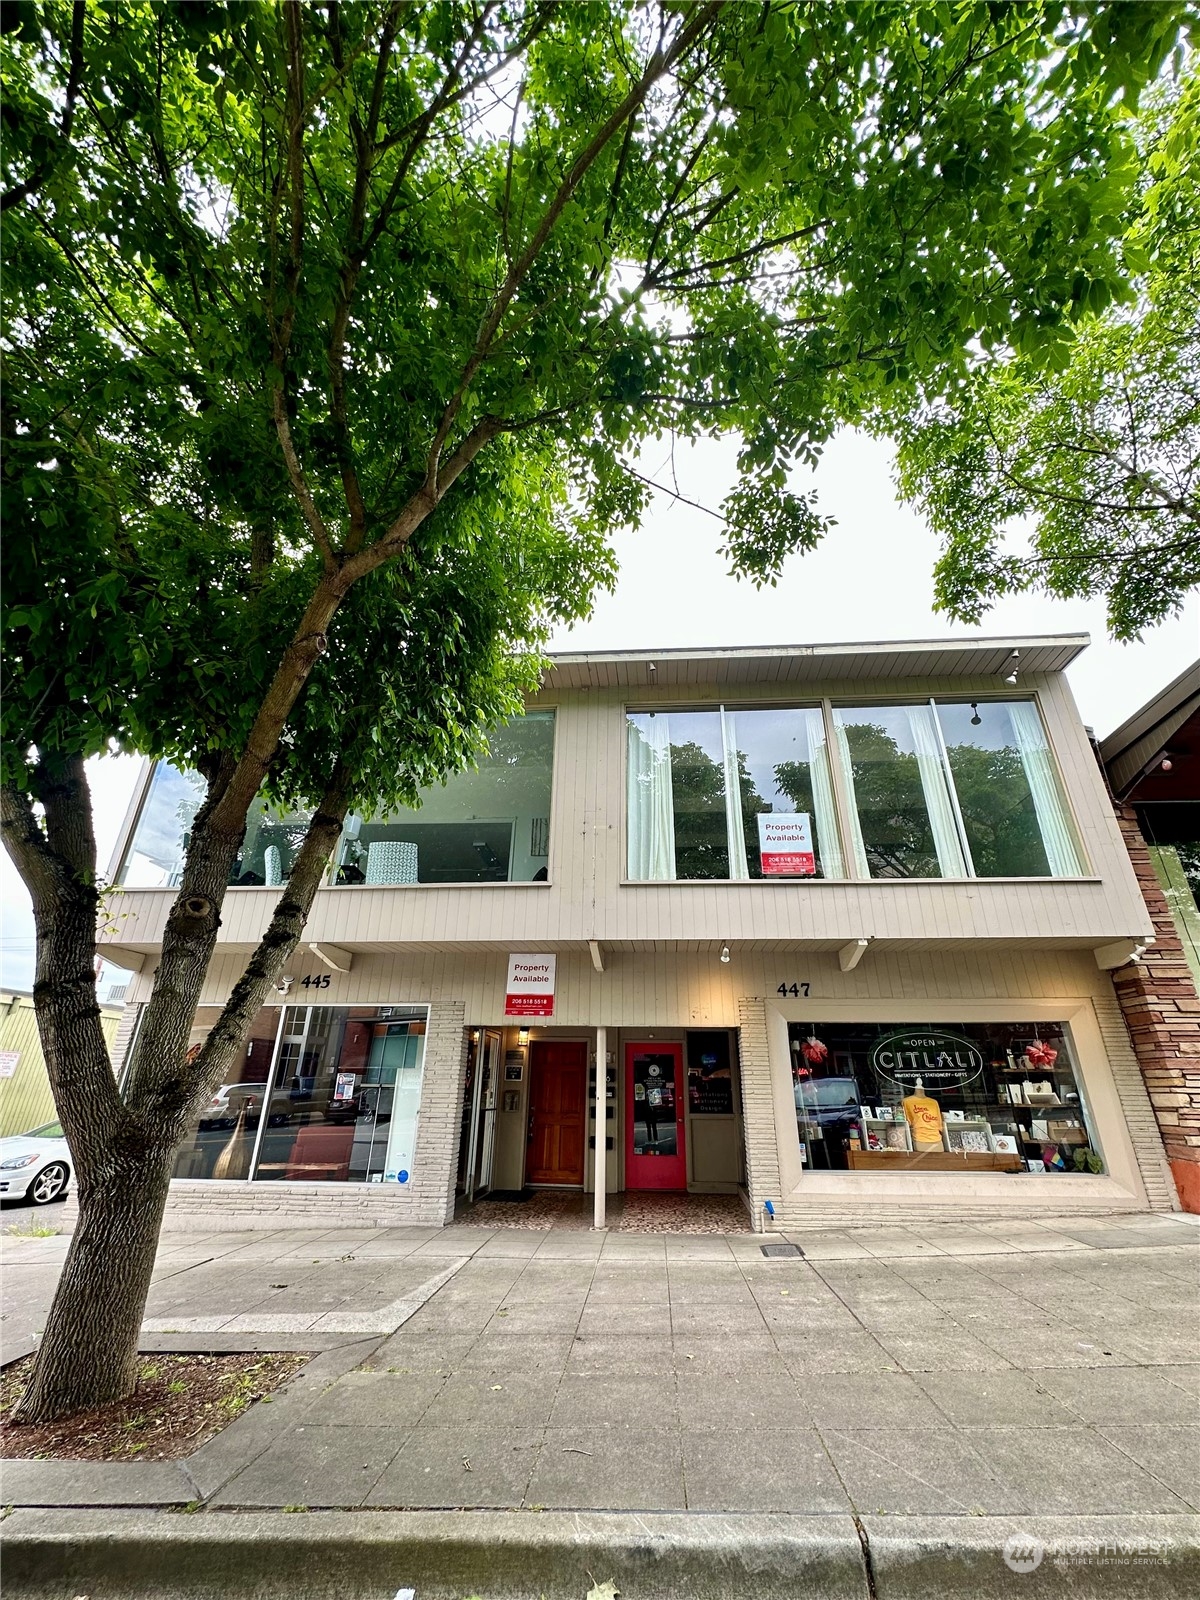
x: 299, y: 482
x: 58, y: 865
x: 424, y: 502
x: 41, y: 172
x: 281, y: 334
x: 662, y: 488
x: 659, y: 65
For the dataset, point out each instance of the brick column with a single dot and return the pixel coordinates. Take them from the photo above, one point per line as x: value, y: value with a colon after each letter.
x: 1158, y: 998
x: 758, y: 1107
x: 123, y: 1038
x: 439, y: 1122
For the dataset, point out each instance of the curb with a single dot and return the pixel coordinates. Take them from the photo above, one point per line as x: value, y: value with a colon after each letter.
x: 137, y: 1555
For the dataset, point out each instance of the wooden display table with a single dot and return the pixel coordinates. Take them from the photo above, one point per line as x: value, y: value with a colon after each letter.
x: 934, y: 1161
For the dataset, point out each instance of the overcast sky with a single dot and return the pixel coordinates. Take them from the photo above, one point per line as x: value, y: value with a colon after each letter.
x: 871, y: 579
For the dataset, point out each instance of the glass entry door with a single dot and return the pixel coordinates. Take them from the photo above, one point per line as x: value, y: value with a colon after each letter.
x: 478, y: 1137
x: 486, y: 1079
x: 655, y: 1156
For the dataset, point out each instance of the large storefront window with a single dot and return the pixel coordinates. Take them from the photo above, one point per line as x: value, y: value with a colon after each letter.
x: 954, y: 790
x: 939, y: 1097
x: 324, y: 1094
x: 731, y: 794
x: 491, y: 824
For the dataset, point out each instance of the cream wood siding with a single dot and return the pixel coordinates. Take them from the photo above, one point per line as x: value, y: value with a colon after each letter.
x: 665, y: 994
x: 587, y: 899
x: 651, y: 989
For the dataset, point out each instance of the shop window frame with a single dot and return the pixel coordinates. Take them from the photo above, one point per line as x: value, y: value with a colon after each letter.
x: 418, y: 1011
x: 1097, y: 1082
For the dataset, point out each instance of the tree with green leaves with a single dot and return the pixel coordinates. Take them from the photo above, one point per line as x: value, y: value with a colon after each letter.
x: 1100, y: 449
x: 331, y: 334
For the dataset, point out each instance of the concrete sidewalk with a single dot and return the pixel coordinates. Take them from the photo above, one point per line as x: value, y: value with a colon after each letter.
x: 821, y: 1408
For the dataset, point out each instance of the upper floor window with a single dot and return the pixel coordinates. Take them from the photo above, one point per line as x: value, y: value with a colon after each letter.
x: 954, y: 789
x: 489, y: 824
x: 730, y: 794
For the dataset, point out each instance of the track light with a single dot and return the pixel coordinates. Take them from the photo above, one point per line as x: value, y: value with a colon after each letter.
x: 1011, y: 675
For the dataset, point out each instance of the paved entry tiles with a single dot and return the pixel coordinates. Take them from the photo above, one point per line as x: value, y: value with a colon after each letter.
x: 624, y: 1213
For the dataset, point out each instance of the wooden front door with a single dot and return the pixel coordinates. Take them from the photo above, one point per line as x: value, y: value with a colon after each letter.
x: 557, y: 1111
x: 655, y: 1152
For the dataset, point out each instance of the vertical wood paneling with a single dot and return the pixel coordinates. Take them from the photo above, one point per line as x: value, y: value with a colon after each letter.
x: 587, y: 899
x: 25, y: 1099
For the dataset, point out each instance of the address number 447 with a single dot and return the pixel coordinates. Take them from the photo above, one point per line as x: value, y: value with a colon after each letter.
x: 796, y: 990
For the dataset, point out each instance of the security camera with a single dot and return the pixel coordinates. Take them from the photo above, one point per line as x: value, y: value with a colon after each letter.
x: 284, y: 984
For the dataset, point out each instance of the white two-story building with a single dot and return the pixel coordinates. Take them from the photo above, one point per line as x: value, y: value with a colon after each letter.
x: 832, y: 928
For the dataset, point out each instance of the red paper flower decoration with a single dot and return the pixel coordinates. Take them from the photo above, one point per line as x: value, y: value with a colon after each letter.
x: 1041, y: 1055
x: 814, y: 1052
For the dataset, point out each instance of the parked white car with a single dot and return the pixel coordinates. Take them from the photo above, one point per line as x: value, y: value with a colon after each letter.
x: 35, y: 1165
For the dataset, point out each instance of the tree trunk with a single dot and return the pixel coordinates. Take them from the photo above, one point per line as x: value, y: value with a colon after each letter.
x: 123, y: 1153
x: 88, y: 1353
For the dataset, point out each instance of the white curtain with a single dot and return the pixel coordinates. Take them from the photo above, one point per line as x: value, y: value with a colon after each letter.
x: 735, y: 830
x: 928, y: 747
x: 828, y: 845
x: 862, y: 866
x: 1034, y: 749
x: 651, y: 810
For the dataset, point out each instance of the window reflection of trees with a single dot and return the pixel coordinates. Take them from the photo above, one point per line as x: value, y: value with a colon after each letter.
x: 891, y: 805
x: 994, y: 800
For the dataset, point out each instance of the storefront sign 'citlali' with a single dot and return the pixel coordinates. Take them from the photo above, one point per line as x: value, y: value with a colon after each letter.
x: 941, y: 1060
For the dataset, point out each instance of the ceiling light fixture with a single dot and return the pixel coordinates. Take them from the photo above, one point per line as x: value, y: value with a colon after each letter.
x: 725, y: 956
x: 976, y: 719
x: 1011, y: 675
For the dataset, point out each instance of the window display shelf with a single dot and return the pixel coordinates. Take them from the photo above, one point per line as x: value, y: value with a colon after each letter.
x: 932, y: 1161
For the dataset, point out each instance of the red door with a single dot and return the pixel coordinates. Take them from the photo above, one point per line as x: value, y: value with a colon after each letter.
x: 557, y: 1111
x: 655, y: 1156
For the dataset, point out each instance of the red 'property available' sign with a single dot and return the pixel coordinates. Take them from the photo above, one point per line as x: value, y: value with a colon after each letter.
x: 530, y: 987
x: 785, y: 845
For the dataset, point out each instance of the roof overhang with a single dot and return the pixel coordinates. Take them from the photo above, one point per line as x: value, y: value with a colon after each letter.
x: 1140, y: 742
x: 871, y: 660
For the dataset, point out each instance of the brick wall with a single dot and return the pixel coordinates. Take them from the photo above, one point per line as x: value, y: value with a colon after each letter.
x: 1158, y: 999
